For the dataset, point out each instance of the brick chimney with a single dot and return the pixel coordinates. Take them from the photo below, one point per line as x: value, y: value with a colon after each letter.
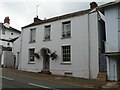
x: 7, y: 20
x: 93, y: 5
x: 37, y: 20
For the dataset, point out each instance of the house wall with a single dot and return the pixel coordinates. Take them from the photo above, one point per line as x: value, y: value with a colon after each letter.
x: 111, y: 15
x: 112, y: 40
x: 112, y: 69
x: 94, y: 44
x: 119, y: 26
x: 8, y: 36
x: 16, y: 51
x: 81, y: 58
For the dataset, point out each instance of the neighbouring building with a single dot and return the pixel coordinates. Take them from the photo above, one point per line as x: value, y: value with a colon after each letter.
x: 69, y: 45
x: 112, y: 43
x: 8, y: 35
x: 16, y: 51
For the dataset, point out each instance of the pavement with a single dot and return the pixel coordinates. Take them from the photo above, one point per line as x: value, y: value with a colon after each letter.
x: 10, y: 80
x: 85, y: 83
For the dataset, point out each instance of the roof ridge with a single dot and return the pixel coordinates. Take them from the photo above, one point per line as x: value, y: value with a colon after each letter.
x: 73, y: 14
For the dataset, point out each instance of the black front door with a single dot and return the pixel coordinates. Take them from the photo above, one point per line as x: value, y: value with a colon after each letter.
x: 46, y: 61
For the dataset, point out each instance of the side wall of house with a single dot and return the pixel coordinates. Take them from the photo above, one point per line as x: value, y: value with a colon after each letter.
x: 119, y: 26
x: 111, y: 15
x: 16, y: 51
x: 94, y: 45
x: 112, y: 40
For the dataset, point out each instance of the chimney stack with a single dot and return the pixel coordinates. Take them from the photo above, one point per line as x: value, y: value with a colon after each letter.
x: 93, y: 5
x: 7, y: 20
x: 37, y: 20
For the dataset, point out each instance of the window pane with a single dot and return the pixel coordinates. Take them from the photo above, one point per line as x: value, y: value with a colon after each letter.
x: 31, y: 55
x: 66, y: 29
x: 3, y: 30
x: 66, y: 53
x: 32, y: 35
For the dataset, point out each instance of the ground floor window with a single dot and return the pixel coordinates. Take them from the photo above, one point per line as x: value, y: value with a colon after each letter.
x: 31, y: 55
x: 66, y: 53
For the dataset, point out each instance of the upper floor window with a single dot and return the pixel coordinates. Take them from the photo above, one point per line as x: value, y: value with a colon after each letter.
x: 66, y: 29
x: 47, y: 32
x: 31, y: 55
x: 66, y: 53
x: 3, y: 31
x: 32, y: 35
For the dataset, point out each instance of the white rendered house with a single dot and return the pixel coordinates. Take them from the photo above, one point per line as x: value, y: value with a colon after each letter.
x: 73, y: 37
x: 8, y: 34
x: 112, y: 24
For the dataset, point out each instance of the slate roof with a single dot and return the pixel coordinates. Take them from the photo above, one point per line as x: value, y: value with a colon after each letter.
x: 10, y: 28
x: 108, y: 4
x: 59, y: 18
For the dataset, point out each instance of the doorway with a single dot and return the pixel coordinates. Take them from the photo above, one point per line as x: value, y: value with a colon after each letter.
x: 46, y: 61
x: 46, y: 58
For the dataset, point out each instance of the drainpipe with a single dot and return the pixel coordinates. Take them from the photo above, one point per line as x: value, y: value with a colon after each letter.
x: 89, y: 48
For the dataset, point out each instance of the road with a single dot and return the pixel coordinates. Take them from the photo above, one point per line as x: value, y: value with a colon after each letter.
x: 10, y: 80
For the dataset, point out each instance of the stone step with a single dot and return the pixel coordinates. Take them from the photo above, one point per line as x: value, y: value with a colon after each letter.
x: 45, y: 71
x: 102, y: 76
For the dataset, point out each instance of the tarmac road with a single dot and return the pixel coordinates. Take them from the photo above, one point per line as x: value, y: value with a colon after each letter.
x: 10, y: 80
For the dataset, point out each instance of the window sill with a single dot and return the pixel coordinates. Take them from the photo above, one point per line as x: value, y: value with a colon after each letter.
x: 31, y: 62
x: 32, y: 42
x: 66, y: 37
x: 47, y: 40
x: 66, y: 63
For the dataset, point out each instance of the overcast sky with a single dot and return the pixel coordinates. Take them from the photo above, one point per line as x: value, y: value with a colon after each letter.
x: 22, y: 12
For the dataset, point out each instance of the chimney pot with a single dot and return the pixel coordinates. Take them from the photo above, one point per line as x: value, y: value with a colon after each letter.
x: 93, y: 5
x: 37, y: 20
x: 7, y: 20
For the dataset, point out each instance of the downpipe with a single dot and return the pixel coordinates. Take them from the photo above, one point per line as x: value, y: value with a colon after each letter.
x: 89, y: 48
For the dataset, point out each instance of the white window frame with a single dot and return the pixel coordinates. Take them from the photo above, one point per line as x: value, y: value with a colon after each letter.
x: 47, y: 32
x: 67, y: 52
x: 3, y: 30
x: 32, y: 35
x: 66, y: 32
x: 29, y: 61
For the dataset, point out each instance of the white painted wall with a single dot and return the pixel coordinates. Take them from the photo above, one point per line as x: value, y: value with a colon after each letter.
x: 94, y: 45
x: 8, y: 36
x: 16, y: 50
x: 112, y: 69
x: 16, y: 45
x: 111, y: 15
x: 79, y: 47
x: 112, y: 40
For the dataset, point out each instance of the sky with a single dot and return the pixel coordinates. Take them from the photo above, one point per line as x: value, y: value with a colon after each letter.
x: 22, y: 12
